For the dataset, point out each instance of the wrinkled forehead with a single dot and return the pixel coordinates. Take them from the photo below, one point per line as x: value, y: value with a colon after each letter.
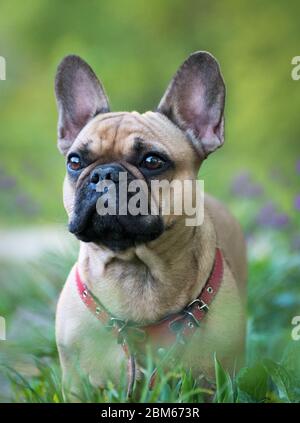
x: 117, y: 134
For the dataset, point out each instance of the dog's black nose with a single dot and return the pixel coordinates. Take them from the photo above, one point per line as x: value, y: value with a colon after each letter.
x: 108, y: 172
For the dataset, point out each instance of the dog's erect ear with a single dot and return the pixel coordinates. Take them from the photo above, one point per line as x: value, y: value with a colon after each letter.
x: 80, y: 96
x: 194, y: 101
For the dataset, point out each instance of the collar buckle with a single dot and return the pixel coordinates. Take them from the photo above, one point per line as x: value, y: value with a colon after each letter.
x: 126, y: 331
x: 114, y: 322
x: 201, y: 306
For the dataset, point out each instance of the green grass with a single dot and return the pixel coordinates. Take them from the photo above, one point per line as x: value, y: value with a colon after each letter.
x: 29, y: 368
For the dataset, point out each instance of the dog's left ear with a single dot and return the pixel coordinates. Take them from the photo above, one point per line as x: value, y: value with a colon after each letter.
x: 194, y: 101
x: 80, y: 97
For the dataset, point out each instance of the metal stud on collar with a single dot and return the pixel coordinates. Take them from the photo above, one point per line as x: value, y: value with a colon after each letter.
x: 209, y: 290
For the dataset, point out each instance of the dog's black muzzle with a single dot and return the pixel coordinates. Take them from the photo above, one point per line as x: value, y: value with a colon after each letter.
x: 117, y: 231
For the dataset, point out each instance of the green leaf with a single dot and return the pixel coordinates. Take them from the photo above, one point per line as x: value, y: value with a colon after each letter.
x: 224, y: 392
x: 280, y: 378
x: 253, y: 381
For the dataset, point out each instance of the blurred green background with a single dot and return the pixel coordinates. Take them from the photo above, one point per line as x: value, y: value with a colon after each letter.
x: 135, y: 47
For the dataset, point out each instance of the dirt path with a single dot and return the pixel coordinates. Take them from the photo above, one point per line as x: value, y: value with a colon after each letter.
x: 29, y: 243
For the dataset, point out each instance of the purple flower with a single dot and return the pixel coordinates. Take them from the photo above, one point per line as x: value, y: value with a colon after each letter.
x: 280, y: 220
x: 297, y: 202
x: 268, y: 216
x: 26, y: 204
x: 243, y: 186
x: 265, y: 213
x: 7, y: 182
x: 32, y: 209
x: 22, y: 200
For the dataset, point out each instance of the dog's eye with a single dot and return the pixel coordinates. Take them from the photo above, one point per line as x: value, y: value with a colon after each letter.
x: 152, y: 162
x: 74, y: 162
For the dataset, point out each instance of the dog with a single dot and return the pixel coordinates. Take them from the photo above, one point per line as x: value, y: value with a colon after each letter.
x: 145, y: 273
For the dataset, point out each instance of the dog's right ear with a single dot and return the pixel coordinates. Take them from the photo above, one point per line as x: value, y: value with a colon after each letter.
x: 194, y: 101
x: 80, y: 97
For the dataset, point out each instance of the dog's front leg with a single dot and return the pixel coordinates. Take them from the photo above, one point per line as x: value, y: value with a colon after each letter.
x: 70, y: 338
x: 89, y: 354
x: 72, y: 380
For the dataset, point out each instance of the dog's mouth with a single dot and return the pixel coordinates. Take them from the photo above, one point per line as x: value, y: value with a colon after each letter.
x: 117, y: 232
x: 80, y: 221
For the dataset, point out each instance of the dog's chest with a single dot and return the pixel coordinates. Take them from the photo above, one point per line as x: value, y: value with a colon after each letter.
x: 134, y: 291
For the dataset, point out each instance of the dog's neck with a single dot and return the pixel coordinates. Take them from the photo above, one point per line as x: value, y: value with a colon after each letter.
x: 148, y: 282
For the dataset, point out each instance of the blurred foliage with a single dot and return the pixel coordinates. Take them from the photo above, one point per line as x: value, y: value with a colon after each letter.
x: 135, y: 47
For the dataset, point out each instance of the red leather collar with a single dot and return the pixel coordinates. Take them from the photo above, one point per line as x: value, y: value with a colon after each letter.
x: 166, y: 331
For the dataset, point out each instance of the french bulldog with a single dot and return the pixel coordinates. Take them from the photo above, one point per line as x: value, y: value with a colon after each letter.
x: 144, y: 267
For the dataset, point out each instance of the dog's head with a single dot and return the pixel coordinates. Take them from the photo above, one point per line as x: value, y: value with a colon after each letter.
x: 114, y: 149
